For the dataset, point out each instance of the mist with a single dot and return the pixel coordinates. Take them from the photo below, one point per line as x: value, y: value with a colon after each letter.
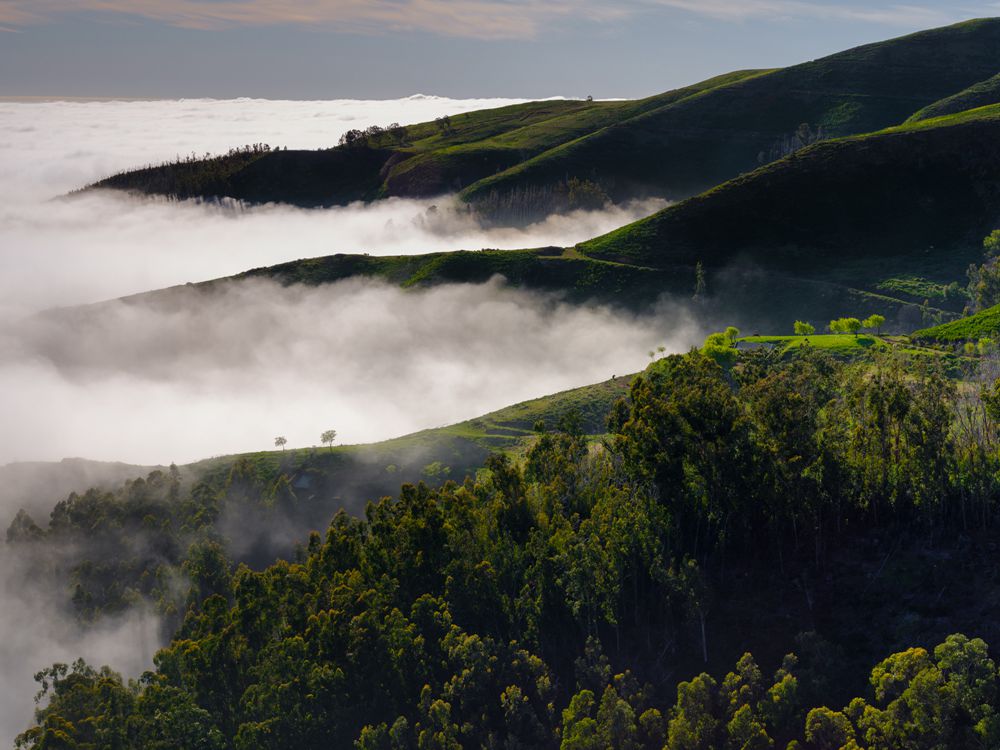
x: 147, y: 387
x: 102, y: 245
x: 196, y: 372
x: 37, y: 631
x: 193, y: 374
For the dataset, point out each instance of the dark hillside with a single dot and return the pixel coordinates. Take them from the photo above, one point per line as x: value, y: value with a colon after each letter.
x: 688, y: 146
x: 913, y: 199
x: 415, y: 161
x: 982, y: 94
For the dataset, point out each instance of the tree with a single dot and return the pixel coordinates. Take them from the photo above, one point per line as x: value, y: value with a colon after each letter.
x: 874, y: 322
x: 984, y: 280
x: 280, y: 442
x: 700, y: 287
x: 328, y: 437
x: 352, y: 138
x: 828, y: 730
x: 804, y: 329
x: 845, y: 325
x: 444, y: 125
x: 720, y: 347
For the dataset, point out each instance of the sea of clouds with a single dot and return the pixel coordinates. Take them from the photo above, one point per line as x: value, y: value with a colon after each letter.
x: 208, y: 374
x: 371, y: 361
x: 105, y: 245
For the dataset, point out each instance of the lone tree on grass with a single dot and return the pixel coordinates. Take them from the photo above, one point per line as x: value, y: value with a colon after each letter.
x: 328, y: 437
x: 280, y: 442
x: 804, y: 329
x: 874, y: 322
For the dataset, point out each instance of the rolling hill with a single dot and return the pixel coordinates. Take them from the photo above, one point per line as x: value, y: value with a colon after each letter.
x: 884, y: 222
x: 419, y: 160
x: 913, y: 201
x: 983, y: 324
x: 515, y: 163
x: 982, y: 94
x: 349, y: 476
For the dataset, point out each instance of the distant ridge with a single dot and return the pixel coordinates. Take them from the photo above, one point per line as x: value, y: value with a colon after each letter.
x: 516, y: 163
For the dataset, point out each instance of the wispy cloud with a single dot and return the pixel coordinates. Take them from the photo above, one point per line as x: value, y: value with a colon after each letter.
x: 482, y: 19
x: 891, y: 14
x: 486, y: 19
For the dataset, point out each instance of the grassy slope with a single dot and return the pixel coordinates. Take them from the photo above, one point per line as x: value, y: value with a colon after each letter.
x: 552, y: 269
x: 904, y: 189
x: 981, y: 94
x: 450, y: 162
x: 848, y: 346
x: 690, y: 145
x: 854, y: 211
x: 430, y: 162
x: 984, y: 324
x: 674, y: 144
x: 853, y: 226
x: 349, y: 476
x: 840, y: 344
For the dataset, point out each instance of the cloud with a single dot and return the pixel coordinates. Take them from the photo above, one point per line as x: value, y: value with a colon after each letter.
x: 199, y: 374
x: 255, y: 362
x: 746, y: 10
x: 98, y: 246
x: 37, y: 632
x: 477, y: 19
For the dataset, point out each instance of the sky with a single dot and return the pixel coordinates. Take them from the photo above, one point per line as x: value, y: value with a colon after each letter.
x: 372, y: 49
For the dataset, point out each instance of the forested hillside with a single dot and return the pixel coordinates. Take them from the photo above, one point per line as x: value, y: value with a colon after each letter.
x: 783, y: 539
x: 571, y: 597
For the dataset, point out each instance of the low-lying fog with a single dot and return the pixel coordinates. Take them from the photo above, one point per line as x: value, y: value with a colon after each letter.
x: 149, y: 382
x: 238, y: 369
x: 230, y: 370
x: 100, y: 246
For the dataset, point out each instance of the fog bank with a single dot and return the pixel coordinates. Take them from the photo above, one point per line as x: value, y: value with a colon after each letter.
x: 37, y: 632
x: 100, y: 246
x: 106, y: 245
x: 228, y: 371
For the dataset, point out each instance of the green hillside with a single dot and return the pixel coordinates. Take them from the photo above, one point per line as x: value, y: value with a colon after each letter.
x: 348, y: 476
x: 689, y: 145
x: 416, y: 161
x: 984, y: 324
x: 854, y: 225
x: 981, y: 94
x: 860, y: 212
x: 516, y: 163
